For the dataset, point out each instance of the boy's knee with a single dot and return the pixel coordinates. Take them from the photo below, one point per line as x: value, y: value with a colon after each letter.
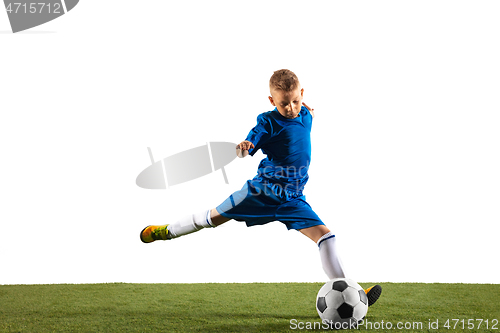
x: 315, y: 232
x: 216, y: 218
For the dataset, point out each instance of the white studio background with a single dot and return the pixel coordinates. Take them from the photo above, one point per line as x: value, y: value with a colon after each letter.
x: 405, y: 139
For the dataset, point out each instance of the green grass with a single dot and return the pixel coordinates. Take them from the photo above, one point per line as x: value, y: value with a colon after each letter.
x: 257, y: 307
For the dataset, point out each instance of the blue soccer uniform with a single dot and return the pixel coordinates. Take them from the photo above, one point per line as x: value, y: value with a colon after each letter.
x: 275, y: 193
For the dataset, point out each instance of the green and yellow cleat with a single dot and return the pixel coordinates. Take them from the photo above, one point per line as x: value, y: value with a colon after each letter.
x: 154, y: 232
x: 373, y: 293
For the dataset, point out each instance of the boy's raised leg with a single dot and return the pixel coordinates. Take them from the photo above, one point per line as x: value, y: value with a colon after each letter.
x: 184, y: 226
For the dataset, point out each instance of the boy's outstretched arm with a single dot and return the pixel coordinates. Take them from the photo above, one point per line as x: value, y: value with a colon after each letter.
x: 311, y: 111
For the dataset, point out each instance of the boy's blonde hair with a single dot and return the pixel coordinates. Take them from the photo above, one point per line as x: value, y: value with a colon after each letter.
x: 284, y: 79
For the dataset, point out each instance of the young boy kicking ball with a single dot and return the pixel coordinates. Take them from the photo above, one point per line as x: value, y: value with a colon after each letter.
x: 275, y: 194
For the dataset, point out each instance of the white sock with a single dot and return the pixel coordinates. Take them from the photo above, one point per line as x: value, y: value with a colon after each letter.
x: 189, y: 224
x: 329, y: 256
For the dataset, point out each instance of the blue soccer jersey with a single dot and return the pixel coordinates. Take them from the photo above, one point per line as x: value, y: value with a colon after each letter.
x: 287, y: 144
x: 275, y: 194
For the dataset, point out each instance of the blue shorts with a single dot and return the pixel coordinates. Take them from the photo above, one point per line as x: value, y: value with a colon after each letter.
x: 260, y: 202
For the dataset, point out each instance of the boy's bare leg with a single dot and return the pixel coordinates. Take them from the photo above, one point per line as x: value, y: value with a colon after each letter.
x: 216, y: 218
x: 316, y: 232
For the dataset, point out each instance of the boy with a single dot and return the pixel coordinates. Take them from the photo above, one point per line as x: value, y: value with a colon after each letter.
x: 275, y: 194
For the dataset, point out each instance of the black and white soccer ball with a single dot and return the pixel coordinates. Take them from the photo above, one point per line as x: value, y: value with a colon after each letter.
x: 341, y: 303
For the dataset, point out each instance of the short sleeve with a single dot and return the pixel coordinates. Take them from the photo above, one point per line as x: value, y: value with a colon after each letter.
x: 260, y: 134
x: 308, y: 118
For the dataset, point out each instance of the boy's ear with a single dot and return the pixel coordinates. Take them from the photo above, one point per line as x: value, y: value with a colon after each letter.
x: 271, y: 100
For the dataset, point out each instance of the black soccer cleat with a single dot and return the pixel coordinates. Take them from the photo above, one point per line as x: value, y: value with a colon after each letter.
x: 373, y: 293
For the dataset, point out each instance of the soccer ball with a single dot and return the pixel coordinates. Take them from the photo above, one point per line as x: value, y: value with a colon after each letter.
x: 341, y: 303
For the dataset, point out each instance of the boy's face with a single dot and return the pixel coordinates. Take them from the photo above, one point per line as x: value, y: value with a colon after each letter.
x: 287, y: 103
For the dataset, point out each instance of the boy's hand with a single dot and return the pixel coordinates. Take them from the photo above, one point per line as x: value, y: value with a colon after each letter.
x: 243, y: 147
x: 311, y: 111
